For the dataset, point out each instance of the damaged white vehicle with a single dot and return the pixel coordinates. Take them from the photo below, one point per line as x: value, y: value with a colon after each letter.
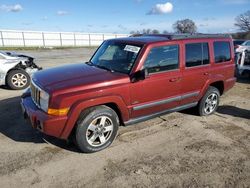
x: 16, y: 69
x: 243, y: 61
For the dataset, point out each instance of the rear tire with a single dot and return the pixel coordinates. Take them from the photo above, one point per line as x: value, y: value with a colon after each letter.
x: 96, y: 129
x: 18, y: 79
x: 209, y: 102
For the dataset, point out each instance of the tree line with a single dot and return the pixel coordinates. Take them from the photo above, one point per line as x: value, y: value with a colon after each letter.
x: 180, y: 26
x: 242, y: 22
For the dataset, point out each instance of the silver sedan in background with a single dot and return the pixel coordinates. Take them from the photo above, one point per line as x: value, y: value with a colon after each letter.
x: 16, y: 69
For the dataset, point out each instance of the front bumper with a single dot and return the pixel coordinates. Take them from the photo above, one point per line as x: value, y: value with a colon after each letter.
x: 50, y: 125
x: 2, y: 79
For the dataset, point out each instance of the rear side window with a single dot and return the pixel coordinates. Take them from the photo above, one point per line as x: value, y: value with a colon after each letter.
x: 222, y: 52
x: 197, y: 54
x: 162, y: 58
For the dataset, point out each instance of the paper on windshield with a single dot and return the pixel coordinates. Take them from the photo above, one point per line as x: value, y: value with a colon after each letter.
x: 131, y: 48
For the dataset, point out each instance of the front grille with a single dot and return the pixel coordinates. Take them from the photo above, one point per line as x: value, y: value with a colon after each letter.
x: 35, y: 94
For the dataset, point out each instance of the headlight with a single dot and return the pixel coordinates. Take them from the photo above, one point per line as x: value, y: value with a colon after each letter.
x: 44, y: 100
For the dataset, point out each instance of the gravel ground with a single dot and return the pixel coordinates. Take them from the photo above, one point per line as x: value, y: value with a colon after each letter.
x: 175, y: 150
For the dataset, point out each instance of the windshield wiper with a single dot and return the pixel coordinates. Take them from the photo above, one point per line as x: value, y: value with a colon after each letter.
x: 90, y: 63
x: 99, y: 66
x: 103, y: 67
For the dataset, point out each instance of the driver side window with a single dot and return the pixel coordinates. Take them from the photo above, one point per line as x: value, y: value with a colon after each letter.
x: 163, y: 58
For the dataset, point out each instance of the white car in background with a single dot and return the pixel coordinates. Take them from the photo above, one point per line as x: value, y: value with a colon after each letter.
x: 244, y: 45
x: 16, y: 69
x: 243, y: 61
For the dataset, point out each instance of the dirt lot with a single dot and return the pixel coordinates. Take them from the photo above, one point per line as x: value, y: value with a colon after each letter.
x: 175, y: 150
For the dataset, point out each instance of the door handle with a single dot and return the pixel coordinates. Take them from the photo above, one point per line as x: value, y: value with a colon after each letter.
x: 174, y: 79
x: 205, y: 73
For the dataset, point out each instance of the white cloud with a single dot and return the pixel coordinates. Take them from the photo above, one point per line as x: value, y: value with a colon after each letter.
x: 45, y: 18
x: 11, y: 8
x: 143, y: 23
x: 161, y: 8
x: 61, y: 13
x: 122, y: 27
x: 27, y: 23
x: 218, y: 25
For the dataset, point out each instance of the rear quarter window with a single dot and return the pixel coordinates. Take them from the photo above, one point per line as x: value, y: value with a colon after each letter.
x: 222, y: 51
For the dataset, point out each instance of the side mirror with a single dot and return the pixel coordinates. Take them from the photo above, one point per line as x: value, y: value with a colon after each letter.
x: 139, y: 75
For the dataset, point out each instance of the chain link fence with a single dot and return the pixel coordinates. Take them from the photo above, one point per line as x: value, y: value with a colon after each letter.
x: 15, y: 38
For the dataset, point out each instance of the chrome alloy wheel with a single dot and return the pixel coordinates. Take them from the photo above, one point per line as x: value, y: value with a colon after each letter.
x: 211, y: 103
x: 19, y: 80
x: 99, y: 131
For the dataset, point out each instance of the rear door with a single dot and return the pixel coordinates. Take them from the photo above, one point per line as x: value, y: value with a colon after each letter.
x: 161, y: 89
x: 196, y: 70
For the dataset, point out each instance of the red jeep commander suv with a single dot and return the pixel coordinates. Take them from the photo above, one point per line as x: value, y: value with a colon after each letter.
x: 129, y: 80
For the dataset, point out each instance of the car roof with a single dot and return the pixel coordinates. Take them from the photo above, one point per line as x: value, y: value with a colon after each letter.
x: 152, y: 38
x: 141, y: 39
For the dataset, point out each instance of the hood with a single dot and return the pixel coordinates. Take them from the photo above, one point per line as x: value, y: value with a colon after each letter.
x: 7, y: 64
x: 14, y: 56
x: 71, y: 77
x: 16, y: 59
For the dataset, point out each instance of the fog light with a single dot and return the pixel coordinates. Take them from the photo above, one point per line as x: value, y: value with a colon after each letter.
x: 58, y: 112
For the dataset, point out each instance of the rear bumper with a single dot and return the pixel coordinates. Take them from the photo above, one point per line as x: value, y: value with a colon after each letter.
x: 50, y: 125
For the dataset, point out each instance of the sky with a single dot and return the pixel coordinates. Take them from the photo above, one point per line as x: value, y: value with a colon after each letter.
x: 119, y: 16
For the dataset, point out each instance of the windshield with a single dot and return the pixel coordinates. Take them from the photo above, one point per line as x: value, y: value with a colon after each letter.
x: 116, y: 56
x: 246, y: 43
x: 238, y: 42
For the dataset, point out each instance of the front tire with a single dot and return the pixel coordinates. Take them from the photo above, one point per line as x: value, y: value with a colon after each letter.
x: 209, y: 102
x: 18, y: 79
x: 96, y: 129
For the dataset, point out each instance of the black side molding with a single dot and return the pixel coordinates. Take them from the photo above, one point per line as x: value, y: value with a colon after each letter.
x: 144, y: 118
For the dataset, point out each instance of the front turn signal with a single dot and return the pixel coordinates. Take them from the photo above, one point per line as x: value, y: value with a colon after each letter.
x: 58, y: 112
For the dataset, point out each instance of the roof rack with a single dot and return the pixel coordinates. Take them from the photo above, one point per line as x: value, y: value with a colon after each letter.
x: 184, y: 36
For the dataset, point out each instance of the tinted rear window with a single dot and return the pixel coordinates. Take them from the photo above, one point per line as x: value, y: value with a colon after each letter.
x: 197, y: 54
x: 222, y: 52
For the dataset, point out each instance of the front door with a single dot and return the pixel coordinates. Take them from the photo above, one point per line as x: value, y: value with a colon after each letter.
x: 161, y: 88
